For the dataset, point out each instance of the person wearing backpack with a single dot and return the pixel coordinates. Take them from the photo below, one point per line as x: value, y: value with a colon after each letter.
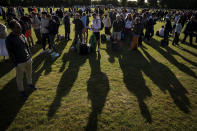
x: 53, y: 30
x: 96, y: 27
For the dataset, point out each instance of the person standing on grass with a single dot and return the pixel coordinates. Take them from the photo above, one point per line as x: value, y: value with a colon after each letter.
x: 26, y: 21
x: 107, y: 24
x: 118, y: 27
x: 3, y: 35
x: 67, y: 26
x: 167, y: 29
x: 138, y: 30
x: 53, y: 30
x: 96, y: 26
x: 189, y: 30
x: 36, y: 26
x: 178, y: 29
x: 85, y: 31
x: 45, y: 32
x: 20, y: 55
x: 79, y: 26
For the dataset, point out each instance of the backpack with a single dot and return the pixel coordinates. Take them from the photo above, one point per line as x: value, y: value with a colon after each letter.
x: 83, y: 49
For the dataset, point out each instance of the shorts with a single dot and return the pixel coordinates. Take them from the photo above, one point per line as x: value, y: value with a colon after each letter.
x: 97, y: 34
x: 116, y: 35
x: 28, y: 33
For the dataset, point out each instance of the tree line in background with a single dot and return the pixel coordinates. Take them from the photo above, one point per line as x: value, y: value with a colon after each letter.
x: 180, y: 4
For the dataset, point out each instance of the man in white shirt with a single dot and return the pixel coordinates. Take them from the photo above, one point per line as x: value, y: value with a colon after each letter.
x: 96, y: 26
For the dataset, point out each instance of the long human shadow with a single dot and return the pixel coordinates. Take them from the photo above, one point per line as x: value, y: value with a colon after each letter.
x: 132, y: 65
x: 10, y: 101
x: 155, y: 44
x: 67, y: 79
x: 172, y: 51
x: 188, y: 51
x: 5, y: 66
x: 98, y: 89
x: 165, y: 79
x: 46, y: 62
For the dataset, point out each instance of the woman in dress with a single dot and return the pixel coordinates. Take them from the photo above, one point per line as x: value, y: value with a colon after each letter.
x: 3, y: 35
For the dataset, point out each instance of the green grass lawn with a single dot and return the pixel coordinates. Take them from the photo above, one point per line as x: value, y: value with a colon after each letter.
x: 153, y: 88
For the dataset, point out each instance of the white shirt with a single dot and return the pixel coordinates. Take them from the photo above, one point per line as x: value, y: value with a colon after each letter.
x: 96, y: 25
x: 161, y: 32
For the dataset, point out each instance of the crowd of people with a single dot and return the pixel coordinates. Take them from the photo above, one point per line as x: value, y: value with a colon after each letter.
x: 119, y: 24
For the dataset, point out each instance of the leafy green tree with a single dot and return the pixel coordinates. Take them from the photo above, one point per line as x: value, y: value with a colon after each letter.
x: 153, y: 3
x: 141, y: 2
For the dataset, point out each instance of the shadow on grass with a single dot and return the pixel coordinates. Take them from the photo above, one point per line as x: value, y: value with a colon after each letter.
x: 155, y: 44
x: 98, y: 88
x: 5, y: 66
x: 133, y: 63
x: 67, y: 80
x: 10, y: 101
x: 47, y: 61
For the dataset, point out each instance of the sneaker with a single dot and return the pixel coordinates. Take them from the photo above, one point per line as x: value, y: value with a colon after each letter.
x: 24, y: 95
x: 43, y: 52
x: 32, y: 87
x: 98, y: 50
x: 49, y: 51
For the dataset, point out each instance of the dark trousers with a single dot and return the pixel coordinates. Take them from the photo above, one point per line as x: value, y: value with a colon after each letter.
x: 67, y: 34
x: 38, y: 35
x: 51, y: 41
x: 190, y: 37
x: 78, y: 36
x: 140, y: 40
x: 166, y: 35
x: 147, y: 35
x: 45, y: 38
x: 176, y: 38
